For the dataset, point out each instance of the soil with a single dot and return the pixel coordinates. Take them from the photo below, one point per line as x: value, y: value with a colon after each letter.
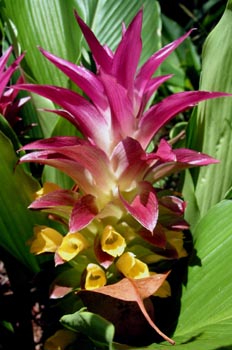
x: 18, y: 325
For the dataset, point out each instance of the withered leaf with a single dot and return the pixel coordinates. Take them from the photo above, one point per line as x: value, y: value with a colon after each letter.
x: 136, y: 290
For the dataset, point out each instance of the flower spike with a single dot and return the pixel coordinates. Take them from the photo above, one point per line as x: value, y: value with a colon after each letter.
x: 119, y: 221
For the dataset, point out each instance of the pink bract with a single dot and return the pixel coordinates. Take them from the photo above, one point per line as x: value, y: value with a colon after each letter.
x: 110, y: 165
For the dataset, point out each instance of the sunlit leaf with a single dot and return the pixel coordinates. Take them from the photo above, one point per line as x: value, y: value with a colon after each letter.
x: 47, y: 25
x: 210, y: 126
x: 205, y: 321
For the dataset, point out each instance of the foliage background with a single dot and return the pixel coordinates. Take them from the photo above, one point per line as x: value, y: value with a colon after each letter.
x: 205, y: 320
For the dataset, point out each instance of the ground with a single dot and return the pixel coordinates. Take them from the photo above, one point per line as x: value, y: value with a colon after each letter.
x: 14, y: 325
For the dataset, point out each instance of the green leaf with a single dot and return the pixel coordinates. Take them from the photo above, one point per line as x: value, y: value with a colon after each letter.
x: 16, y: 193
x: 50, y: 25
x: 9, y: 132
x: 100, y: 331
x: 192, y: 212
x: 210, y: 127
x: 205, y: 322
x: 34, y: 113
x: 207, y: 299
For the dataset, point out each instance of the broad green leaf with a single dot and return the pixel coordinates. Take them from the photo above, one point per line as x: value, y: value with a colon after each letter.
x: 206, y: 314
x: 207, y: 299
x: 16, y: 193
x: 205, y: 321
x: 48, y: 24
x: 100, y: 331
x: 210, y: 128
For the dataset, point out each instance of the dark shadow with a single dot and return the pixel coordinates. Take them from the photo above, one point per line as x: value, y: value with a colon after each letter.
x: 190, y: 340
x: 167, y: 310
x: 15, y: 306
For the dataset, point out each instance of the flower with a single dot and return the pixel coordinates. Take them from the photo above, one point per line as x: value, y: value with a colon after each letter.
x: 47, y: 188
x: 72, y: 244
x: 48, y: 240
x: 9, y: 105
x: 115, y: 204
x: 132, y: 267
x: 115, y: 199
x: 117, y: 130
x: 95, y: 277
x: 112, y: 242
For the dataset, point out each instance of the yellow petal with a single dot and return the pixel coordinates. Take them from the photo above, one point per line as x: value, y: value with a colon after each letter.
x: 95, y: 277
x: 112, y: 242
x: 72, y: 244
x: 45, y: 240
x: 60, y: 340
x: 131, y: 267
x: 176, y: 240
x: 164, y: 290
x: 47, y: 188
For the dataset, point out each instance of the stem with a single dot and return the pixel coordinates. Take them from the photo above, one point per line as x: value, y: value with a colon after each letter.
x: 153, y: 325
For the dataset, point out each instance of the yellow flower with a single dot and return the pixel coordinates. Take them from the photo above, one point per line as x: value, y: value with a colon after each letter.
x: 46, y: 240
x: 131, y: 267
x: 71, y: 245
x: 112, y: 242
x: 176, y: 240
x: 164, y: 291
x: 95, y: 277
x: 47, y: 188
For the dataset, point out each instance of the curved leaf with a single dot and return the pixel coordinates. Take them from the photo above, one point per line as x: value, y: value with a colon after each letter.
x: 210, y: 127
x: 16, y: 193
x: 205, y: 322
x: 208, y: 297
x: 100, y: 331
